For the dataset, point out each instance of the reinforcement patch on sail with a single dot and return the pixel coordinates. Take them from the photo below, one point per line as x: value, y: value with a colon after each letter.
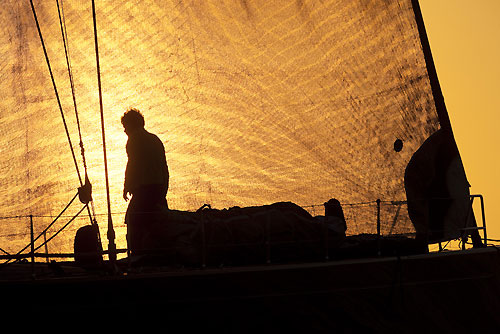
x: 256, y: 102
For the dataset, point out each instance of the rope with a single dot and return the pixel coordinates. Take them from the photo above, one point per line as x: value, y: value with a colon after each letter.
x: 53, y: 236
x: 494, y: 240
x: 55, y: 88
x: 47, y: 228
x: 64, y: 35
x: 4, y: 251
x: 57, y: 255
x: 62, y: 228
x: 110, y: 232
x: 52, y: 223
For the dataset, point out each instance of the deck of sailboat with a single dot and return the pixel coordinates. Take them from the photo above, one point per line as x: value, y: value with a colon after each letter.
x: 375, y: 293
x: 44, y: 273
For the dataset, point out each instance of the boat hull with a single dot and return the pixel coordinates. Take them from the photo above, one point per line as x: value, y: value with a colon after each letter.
x: 448, y: 291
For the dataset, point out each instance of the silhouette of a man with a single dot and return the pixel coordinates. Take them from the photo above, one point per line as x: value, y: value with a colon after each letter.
x: 146, y: 178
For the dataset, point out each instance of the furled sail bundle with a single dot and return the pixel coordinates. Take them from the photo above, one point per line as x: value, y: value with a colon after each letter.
x: 256, y: 102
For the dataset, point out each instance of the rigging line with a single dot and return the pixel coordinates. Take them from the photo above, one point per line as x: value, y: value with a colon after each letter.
x: 110, y: 232
x: 64, y: 35
x: 62, y: 228
x: 49, y: 226
x: 55, y: 90
x: 54, y: 221
x: 4, y: 251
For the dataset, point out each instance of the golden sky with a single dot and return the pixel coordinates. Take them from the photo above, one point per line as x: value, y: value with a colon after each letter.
x: 465, y: 41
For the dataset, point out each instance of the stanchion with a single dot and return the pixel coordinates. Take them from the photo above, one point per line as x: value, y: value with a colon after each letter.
x: 203, y: 243
x: 32, y: 247
x: 268, y: 240
x: 378, y: 228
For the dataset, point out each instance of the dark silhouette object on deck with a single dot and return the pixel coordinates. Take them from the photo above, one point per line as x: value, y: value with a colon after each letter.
x: 437, y: 190
x: 146, y: 178
x: 88, y: 248
x: 333, y: 208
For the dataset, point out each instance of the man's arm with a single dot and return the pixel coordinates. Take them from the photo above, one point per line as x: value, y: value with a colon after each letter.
x: 128, y: 171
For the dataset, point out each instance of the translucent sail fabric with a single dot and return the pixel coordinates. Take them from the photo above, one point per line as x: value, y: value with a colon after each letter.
x: 256, y: 102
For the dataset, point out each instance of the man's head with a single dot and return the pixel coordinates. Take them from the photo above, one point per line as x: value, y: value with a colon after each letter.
x: 132, y: 120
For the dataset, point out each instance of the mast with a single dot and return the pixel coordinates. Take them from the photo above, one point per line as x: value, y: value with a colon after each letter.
x: 111, y: 232
x: 444, y: 119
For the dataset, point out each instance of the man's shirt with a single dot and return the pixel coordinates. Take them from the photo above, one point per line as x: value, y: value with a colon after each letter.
x: 146, y: 164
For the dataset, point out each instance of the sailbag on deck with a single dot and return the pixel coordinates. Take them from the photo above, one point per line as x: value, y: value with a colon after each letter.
x: 256, y: 102
x: 438, y: 191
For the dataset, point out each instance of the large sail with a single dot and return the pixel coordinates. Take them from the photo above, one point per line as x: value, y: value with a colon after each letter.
x: 256, y: 102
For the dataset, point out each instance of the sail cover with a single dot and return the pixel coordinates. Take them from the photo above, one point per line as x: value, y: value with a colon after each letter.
x: 256, y: 102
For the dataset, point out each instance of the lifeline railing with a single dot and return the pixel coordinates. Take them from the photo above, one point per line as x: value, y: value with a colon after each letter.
x: 483, y: 220
x: 268, y: 242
